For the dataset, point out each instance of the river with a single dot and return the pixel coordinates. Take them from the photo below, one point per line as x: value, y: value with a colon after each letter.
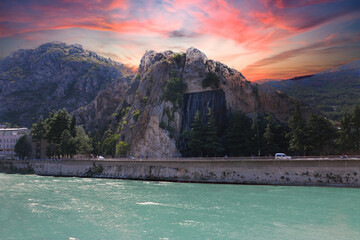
x: 36, y: 207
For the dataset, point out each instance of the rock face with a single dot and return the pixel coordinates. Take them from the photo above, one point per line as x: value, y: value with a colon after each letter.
x: 152, y: 124
x: 52, y: 76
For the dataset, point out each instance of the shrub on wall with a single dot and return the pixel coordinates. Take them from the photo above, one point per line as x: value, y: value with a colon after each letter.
x: 211, y: 80
x: 174, y: 89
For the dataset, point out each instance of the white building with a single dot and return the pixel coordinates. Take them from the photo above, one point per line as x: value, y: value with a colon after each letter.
x: 8, y: 138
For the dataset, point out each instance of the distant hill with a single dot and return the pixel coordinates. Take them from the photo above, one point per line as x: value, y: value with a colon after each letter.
x: 333, y: 92
x: 52, y: 76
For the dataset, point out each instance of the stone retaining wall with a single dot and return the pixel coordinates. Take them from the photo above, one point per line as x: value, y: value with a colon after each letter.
x: 331, y: 172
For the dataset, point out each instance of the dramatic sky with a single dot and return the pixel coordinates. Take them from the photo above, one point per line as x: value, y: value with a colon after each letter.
x: 264, y: 39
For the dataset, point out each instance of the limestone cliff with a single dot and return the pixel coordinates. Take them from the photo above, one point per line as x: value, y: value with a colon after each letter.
x: 152, y: 121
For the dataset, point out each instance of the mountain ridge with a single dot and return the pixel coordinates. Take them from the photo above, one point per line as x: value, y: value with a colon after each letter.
x: 52, y: 76
x: 334, y: 91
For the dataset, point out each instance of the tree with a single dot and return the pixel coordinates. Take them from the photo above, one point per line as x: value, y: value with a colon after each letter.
x: 344, y: 141
x: 258, y: 127
x: 349, y: 133
x: 238, y: 135
x: 68, y: 144
x: 211, y: 80
x: 212, y: 144
x: 203, y: 137
x: 320, y: 134
x: 83, y: 142
x: 38, y: 132
x: 274, y: 136
x: 53, y: 150
x: 174, y: 89
x: 297, y: 132
x: 65, y: 138
x: 72, y: 126
x: 109, y: 144
x: 23, y: 147
x: 197, y: 136
x: 122, y: 149
x: 355, y: 133
x: 270, y: 139
x: 39, y: 129
x: 96, y: 143
x: 58, y: 122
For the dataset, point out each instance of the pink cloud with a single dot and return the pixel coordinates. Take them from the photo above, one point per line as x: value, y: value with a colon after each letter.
x: 293, y: 3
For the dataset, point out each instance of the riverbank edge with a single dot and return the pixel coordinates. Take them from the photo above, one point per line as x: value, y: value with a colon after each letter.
x: 305, y: 172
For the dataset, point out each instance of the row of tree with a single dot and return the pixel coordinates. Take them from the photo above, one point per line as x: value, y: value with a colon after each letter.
x: 243, y: 136
x: 64, y: 137
x: 315, y: 135
x: 264, y: 135
x: 203, y: 140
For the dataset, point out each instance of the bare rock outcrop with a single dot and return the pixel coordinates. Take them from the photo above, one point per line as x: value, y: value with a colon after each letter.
x: 152, y: 123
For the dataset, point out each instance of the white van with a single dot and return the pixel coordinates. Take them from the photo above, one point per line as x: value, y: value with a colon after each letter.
x: 281, y: 156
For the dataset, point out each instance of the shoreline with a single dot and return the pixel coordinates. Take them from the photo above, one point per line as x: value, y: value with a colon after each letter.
x: 299, y: 172
x: 180, y: 181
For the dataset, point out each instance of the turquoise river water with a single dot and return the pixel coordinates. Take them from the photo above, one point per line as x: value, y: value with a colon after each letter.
x: 35, y: 207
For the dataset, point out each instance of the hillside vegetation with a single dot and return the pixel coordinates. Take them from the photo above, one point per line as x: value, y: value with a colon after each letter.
x: 334, y: 92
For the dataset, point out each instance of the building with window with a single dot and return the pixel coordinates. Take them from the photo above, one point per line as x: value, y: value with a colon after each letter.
x: 8, y: 139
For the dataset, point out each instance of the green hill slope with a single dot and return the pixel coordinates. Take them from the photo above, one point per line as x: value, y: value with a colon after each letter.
x: 333, y: 92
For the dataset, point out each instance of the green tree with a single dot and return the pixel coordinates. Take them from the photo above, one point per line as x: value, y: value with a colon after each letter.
x: 122, y: 149
x: 274, y: 136
x: 53, y: 150
x: 349, y: 133
x: 39, y: 129
x: 197, y: 136
x: 72, y: 126
x: 65, y: 138
x: 38, y: 132
x: 96, y: 143
x: 58, y: 122
x: 212, y: 144
x: 203, y: 137
x: 297, y: 132
x: 174, y: 89
x: 23, y: 147
x: 82, y: 140
x: 270, y: 139
x: 211, y: 80
x: 256, y: 134
x: 258, y: 127
x: 68, y: 144
x: 355, y: 133
x: 320, y: 135
x: 109, y: 144
x: 238, y: 135
x: 344, y: 141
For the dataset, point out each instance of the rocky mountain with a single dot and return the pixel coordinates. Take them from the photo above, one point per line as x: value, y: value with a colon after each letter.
x: 160, y: 103
x: 53, y: 76
x: 334, y: 91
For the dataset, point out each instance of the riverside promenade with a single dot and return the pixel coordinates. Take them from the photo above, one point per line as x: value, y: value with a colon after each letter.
x: 313, y: 171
